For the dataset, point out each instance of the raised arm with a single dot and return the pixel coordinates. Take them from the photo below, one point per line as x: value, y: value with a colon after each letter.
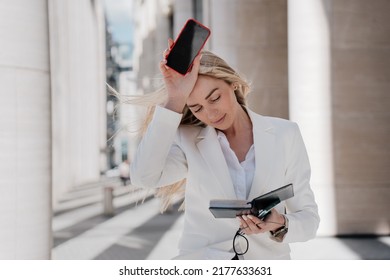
x: 178, y: 86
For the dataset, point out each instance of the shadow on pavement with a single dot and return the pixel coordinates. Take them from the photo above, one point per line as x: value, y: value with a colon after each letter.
x: 367, y: 247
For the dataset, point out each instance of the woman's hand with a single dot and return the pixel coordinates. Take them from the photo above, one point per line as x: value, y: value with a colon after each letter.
x: 250, y: 224
x: 178, y: 86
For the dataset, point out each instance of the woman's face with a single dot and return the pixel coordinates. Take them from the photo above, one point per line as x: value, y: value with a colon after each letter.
x: 213, y: 102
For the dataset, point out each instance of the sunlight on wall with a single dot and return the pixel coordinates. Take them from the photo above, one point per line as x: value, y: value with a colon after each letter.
x: 310, y: 98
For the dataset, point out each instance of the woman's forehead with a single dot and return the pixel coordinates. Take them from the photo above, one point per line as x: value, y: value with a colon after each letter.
x: 203, y: 86
x: 204, y: 82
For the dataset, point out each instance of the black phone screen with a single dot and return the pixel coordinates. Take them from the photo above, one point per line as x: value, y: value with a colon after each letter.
x: 187, y: 46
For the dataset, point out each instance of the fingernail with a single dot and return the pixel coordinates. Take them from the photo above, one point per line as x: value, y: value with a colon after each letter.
x: 250, y: 217
x: 245, y: 217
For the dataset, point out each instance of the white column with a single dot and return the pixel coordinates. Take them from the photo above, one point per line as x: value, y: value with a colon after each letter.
x: 183, y: 10
x: 101, y: 85
x: 78, y: 92
x: 310, y: 97
x: 25, y: 133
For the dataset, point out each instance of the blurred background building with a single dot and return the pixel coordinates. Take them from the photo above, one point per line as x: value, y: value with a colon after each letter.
x: 324, y: 64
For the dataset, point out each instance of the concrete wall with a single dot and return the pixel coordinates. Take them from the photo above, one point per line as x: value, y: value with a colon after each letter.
x: 360, y: 56
x: 251, y: 35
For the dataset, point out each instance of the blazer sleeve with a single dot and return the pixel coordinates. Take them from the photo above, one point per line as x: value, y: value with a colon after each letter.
x: 302, y: 209
x: 159, y: 161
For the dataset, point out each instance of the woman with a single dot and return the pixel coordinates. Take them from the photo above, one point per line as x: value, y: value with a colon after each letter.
x: 204, y: 133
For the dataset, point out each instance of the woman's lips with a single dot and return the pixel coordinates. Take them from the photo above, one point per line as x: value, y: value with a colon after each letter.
x: 219, y: 120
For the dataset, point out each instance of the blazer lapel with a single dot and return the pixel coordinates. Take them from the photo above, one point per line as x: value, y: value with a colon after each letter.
x: 264, y: 142
x: 211, y: 152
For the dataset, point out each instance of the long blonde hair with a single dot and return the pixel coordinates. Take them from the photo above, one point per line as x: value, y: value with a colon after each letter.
x: 212, y: 66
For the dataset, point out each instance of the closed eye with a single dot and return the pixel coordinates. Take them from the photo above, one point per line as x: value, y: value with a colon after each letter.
x: 198, y: 109
x: 215, y: 99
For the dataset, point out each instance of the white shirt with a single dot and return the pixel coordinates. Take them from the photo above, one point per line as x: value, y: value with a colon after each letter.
x: 241, y: 173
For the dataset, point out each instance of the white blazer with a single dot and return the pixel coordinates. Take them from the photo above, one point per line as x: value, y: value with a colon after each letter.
x: 169, y: 152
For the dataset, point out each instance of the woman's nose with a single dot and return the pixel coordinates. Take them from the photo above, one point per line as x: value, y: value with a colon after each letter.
x: 212, y: 113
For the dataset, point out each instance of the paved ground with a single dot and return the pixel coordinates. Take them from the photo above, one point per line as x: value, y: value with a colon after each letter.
x: 138, y: 231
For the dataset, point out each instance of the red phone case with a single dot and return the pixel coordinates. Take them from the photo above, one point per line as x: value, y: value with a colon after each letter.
x: 181, y: 31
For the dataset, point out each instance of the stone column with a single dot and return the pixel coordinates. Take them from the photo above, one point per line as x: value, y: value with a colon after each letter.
x: 78, y: 92
x: 310, y: 97
x: 361, y: 115
x: 251, y: 35
x: 100, y: 55
x: 25, y: 134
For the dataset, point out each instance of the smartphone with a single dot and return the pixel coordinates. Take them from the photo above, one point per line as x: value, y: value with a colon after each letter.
x: 187, y: 46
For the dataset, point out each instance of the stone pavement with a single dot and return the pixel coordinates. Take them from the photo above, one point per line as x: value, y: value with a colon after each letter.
x: 138, y: 231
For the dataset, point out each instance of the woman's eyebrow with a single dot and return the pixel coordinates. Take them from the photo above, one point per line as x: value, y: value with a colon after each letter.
x: 207, y: 97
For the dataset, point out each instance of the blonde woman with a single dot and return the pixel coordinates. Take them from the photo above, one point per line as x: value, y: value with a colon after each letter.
x: 204, y: 133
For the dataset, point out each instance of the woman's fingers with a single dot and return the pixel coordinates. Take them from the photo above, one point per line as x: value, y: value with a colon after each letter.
x: 196, y: 64
x: 166, y: 51
x: 163, y: 67
x: 170, y: 43
x: 252, y: 225
x: 255, y: 224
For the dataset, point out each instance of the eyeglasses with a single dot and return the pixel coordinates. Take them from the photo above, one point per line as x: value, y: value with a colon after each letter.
x: 237, y: 245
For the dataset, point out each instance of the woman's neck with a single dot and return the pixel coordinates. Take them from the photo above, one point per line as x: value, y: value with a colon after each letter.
x: 241, y: 125
x: 240, y: 135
